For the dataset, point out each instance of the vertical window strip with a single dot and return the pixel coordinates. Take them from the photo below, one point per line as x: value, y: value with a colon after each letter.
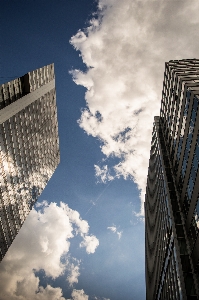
x: 196, y: 214
x: 186, y: 106
x: 190, y: 135
x: 193, y: 171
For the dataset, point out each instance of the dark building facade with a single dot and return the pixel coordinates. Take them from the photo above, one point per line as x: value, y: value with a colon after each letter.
x: 29, y: 147
x: 172, y: 193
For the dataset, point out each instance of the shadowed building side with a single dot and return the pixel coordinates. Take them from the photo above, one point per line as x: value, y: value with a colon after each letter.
x: 29, y: 147
x: 172, y: 193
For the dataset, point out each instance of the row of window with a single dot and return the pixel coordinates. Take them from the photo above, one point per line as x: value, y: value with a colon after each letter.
x: 194, y: 227
x: 10, y: 89
x: 40, y: 77
x: 190, y: 136
x: 194, y: 170
x: 170, y: 286
x: 158, y: 206
x: 182, y: 129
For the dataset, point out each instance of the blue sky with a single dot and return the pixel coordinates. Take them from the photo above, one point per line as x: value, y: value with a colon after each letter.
x: 109, y: 60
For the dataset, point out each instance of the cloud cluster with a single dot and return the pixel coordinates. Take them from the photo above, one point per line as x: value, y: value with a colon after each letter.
x: 91, y: 243
x: 125, y: 48
x: 79, y: 295
x: 43, y: 243
x: 115, y: 230
x: 103, y: 173
x: 73, y: 273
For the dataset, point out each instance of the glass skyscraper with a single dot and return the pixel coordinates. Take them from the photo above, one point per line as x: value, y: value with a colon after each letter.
x: 29, y: 147
x: 172, y: 193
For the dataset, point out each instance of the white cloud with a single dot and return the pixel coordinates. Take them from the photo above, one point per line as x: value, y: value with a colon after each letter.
x: 90, y: 242
x: 79, y: 295
x: 103, y: 173
x: 74, y: 274
x: 115, y: 230
x: 125, y: 48
x: 119, y: 233
x: 43, y: 243
x: 112, y: 228
x: 82, y: 226
x: 41, y: 204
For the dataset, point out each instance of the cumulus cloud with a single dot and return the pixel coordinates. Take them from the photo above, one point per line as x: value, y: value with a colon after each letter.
x: 125, y: 48
x: 79, y: 295
x: 82, y: 226
x: 74, y: 274
x: 43, y: 243
x: 115, y: 230
x: 90, y: 243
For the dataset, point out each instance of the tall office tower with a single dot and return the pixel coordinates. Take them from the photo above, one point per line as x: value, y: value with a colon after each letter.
x: 29, y: 147
x: 172, y: 193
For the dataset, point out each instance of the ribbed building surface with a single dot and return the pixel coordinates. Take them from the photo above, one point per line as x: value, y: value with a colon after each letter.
x: 172, y: 193
x: 29, y: 147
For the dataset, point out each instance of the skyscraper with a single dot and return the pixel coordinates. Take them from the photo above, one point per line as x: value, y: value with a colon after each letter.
x: 29, y: 147
x: 172, y: 193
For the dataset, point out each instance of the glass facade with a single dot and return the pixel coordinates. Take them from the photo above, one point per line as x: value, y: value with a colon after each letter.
x: 172, y: 193
x: 29, y: 147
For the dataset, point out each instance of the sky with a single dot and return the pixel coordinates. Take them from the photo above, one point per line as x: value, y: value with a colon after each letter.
x: 84, y: 239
